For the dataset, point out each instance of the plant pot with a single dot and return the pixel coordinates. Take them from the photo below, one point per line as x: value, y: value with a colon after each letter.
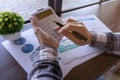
x: 12, y: 37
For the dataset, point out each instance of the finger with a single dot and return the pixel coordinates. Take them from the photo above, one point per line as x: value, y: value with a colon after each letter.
x: 40, y: 32
x: 77, y: 23
x: 33, y: 24
x: 62, y: 30
x: 70, y: 20
x: 56, y: 43
x: 70, y: 27
x: 56, y: 28
x: 74, y: 39
x: 36, y: 28
x: 77, y: 28
x: 69, y: 35
x: 41, y: 36
x: 32, y: 20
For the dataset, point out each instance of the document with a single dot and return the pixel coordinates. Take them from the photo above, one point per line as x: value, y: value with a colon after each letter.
x: 70, y: 55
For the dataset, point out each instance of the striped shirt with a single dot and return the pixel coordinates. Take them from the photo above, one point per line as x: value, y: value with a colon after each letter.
x: 110, y: 42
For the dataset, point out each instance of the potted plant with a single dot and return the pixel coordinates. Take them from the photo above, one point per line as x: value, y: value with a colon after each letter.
x: 11, y: 24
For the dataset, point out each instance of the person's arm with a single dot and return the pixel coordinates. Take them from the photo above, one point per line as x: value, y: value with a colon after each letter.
x: 45, y: 64
x: 108, y: 41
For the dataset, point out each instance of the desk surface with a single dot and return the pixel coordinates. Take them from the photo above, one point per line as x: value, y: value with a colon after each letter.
x: 108, y: 12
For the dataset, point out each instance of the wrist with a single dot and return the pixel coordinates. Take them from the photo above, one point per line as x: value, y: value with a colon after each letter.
x: 90, y: 38
x: 45, y: 52
x: 50, y: 43
x: 42, y: 46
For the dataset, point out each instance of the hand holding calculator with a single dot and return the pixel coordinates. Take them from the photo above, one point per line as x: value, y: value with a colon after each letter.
x: 44, y: 17
x: 47, y: 18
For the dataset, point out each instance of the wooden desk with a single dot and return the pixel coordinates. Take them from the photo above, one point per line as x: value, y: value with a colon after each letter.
x: 109, y: 13
x: 93, y: 68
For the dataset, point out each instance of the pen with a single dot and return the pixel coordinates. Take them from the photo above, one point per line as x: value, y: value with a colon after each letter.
x: 76, y: 34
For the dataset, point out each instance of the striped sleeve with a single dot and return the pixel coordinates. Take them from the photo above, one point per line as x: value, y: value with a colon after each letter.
x: 110, y: 42
x: 45, y: 64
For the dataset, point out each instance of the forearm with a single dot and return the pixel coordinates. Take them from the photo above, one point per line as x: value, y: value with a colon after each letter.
x: 110, y: 42
x: 45, y: 66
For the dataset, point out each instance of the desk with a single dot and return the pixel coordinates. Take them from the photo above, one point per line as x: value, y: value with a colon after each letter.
x: 93, y: 68
x: 108, y: 12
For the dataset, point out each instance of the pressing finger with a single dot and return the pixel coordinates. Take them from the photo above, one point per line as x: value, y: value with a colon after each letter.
x: 70, y: 20
x: 56, y: 28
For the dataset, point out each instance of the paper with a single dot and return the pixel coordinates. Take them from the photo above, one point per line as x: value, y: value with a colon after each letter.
x: 71, y: 55
x: 79, y: 54
x: 20, y: 51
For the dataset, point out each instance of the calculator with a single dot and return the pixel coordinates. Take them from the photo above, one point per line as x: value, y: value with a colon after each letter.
x: 45, y: 18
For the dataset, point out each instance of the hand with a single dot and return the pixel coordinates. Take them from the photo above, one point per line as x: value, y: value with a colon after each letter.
x: 43, y: 37
x: 78, y: 27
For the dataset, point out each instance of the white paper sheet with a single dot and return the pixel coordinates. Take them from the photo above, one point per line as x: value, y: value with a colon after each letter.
x: 15, y: 50
x: 69, y: 57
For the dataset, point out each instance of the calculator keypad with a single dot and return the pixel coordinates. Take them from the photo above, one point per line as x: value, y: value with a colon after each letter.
x: 48, y: 25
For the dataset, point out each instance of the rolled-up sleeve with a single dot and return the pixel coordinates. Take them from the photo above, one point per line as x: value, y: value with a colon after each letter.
x: 110, y: 42
x: 45, y: 64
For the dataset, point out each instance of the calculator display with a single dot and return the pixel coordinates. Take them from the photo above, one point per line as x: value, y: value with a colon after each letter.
x: 44, y: 14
